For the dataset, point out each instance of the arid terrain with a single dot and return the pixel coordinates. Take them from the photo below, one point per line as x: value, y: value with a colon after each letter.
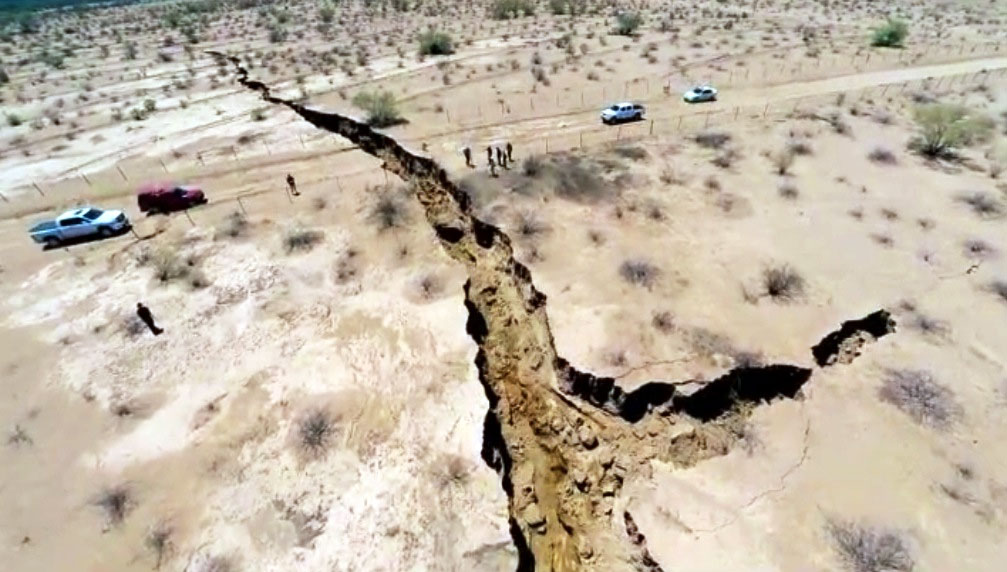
x: 764, y: 333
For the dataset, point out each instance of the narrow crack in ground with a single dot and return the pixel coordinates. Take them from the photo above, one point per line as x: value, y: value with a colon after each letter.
x: 562, y: 440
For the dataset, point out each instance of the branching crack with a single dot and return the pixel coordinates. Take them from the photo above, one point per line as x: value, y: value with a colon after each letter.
x: 563, y: 441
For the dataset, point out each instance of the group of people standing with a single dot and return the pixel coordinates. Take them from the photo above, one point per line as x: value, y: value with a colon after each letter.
x: 504, y: 157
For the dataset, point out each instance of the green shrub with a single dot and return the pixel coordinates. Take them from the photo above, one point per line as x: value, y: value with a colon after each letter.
x: 627, y: 23
x: 891, y: 34
x: 149, y: 105
x: 945, y: 127
x: 14, y: 120
x: 326, y: 13
x: 569, y: 7
x: 507, y: 9
x: 4, y: 78
x: 435, y: 44
x: 381, y: 108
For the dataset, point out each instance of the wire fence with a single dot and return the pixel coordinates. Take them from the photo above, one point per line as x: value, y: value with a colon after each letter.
x: 247, y: 177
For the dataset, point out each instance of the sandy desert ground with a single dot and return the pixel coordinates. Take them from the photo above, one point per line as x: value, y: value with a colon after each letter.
x: 367, y: 376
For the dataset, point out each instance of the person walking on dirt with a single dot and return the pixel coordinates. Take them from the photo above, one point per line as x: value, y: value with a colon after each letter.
x: 489, y: 153
x: 493, y: 166
x: 510, y: 152
x: 501, y: 158
x: 292, y: 185
x: 147, y: 318
x: 467, y: 151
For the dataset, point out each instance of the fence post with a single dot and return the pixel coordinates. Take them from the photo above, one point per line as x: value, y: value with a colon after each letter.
x: 582, y: 138
x: 188, y: 216
x: 241, y: 205
x: 118, y: 168
x: 765, y: 110
x: 163, y: 166
x: 735, y: 113
x: 706, y: 121
x: 4, y: 198
x: 679, y: 128
x: 651, y: 126
x: 37, y: 188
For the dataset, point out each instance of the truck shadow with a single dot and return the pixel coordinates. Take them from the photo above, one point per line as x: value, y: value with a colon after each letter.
x: 86, y: 239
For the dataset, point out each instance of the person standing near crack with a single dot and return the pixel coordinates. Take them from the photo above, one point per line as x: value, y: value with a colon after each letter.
x: 147, y: 318
x: 292, y: 185
x: 510, y: 152
x: 467, y: 152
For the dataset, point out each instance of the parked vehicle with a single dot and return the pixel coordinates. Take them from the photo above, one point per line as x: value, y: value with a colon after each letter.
x: 167, y: 197
x: 79, y: 224
x: 700, y: 94
x: 622, y: 112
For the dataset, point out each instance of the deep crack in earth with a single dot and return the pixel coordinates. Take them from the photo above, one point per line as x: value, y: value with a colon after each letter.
x: 563, y: 441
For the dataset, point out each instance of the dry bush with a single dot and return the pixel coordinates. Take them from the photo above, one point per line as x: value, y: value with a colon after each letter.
x: 712, y: 139
x: 999, y: 289
x: 390, y: 211
x: 451, y: 470
x: 782, y: 160
x: 663, y: 321
x: 570, y: 176
x: 788, y: 191
x: 782, y: 283
x: 917, y: 394
x: 983, y: 204
x: 300, y: 239
x: 158, y: 541
x: 132, y: 326
x: 929, y: 326
x: 882, y: 155
x: 979, y: 249
x: 870, y: 549
x: 234, y: 225
x: 434, y: 43
x: 725, y: 158
x: 429, y: 286
x: 205, y: 563
x: 639, y: 272
x: 891, y: 34
x: 167, y: 265
x: 115, y: 502
x: 319, y: 203
x: 799, y: 147
x: 631, y: 152
x: 528, y: 226
x: 381, y: 107
x: 314, y: 432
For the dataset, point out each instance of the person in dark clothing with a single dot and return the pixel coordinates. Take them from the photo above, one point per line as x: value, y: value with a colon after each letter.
x: 489, y: 153
x: 292, y: 185
x: 147, y: 318
x: 493, y: 167
x: 510, y: 152
x: 468, y: 156
x: 501, y: 158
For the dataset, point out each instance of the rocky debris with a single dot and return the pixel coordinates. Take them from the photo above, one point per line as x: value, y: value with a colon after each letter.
x: 845, y: 344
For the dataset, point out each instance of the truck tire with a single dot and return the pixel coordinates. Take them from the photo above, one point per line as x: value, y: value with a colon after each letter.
x: 104, y: 232
x: 51, y: 242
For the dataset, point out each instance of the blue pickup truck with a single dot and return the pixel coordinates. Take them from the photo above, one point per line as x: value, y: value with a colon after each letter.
x: 79, y: 224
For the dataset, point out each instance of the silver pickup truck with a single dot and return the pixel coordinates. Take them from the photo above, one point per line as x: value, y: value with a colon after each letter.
x: 79, y: 224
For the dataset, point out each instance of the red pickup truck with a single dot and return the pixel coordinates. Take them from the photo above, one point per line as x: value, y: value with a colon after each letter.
x: 168, y: 197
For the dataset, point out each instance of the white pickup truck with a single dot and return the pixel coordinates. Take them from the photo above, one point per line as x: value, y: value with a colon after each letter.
x: 79, y: 224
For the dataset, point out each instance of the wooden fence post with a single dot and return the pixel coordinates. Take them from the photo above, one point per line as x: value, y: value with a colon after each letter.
x: 118, y: 168
x: 241, y: 205
x: 38, y: 188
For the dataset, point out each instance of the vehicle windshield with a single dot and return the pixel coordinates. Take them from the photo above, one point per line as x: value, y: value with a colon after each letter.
x: 614, y: 108
x: 92, y: 214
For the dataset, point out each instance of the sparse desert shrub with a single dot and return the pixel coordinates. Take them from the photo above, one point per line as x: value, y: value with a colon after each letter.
x: 917, y: 394
x: 725, y: 158
x: 627, y: 23
x: 116, y: 503
x: 132, y: 326
x: 259, y: 114
x: 158, y: 541
x: 870, y: 549
x: 788, y: 191
x: 381, y: 107
x: 639, y: 272
x: 297, y: 238
x: 882, y: 155
x: 782, y: 283
x: 999, y: 289
x: 390, y: 211
x: 315, y: 431
x: 983, y: 204
x: 799, y: 147
x: 631, y: 152
x: 532, y: 166
x: 167, y: 265
x: 507, y: 9
x: 234, y: 225
x: 712, y: 139
x: 782, y: 161
x: 663, y: 321
x: 979, y: 249
x: 538, y: 72
x: 207, y: 563
x: 944, y: 128
x: 14, y: 119
x: 326, y: 13
x: 434, y: 43
x: 528, y: 226
x: 891, y: 34
x: 451, y: 470
x: 928, y: 326
x: 4, y: 78
x: 429, y: 285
